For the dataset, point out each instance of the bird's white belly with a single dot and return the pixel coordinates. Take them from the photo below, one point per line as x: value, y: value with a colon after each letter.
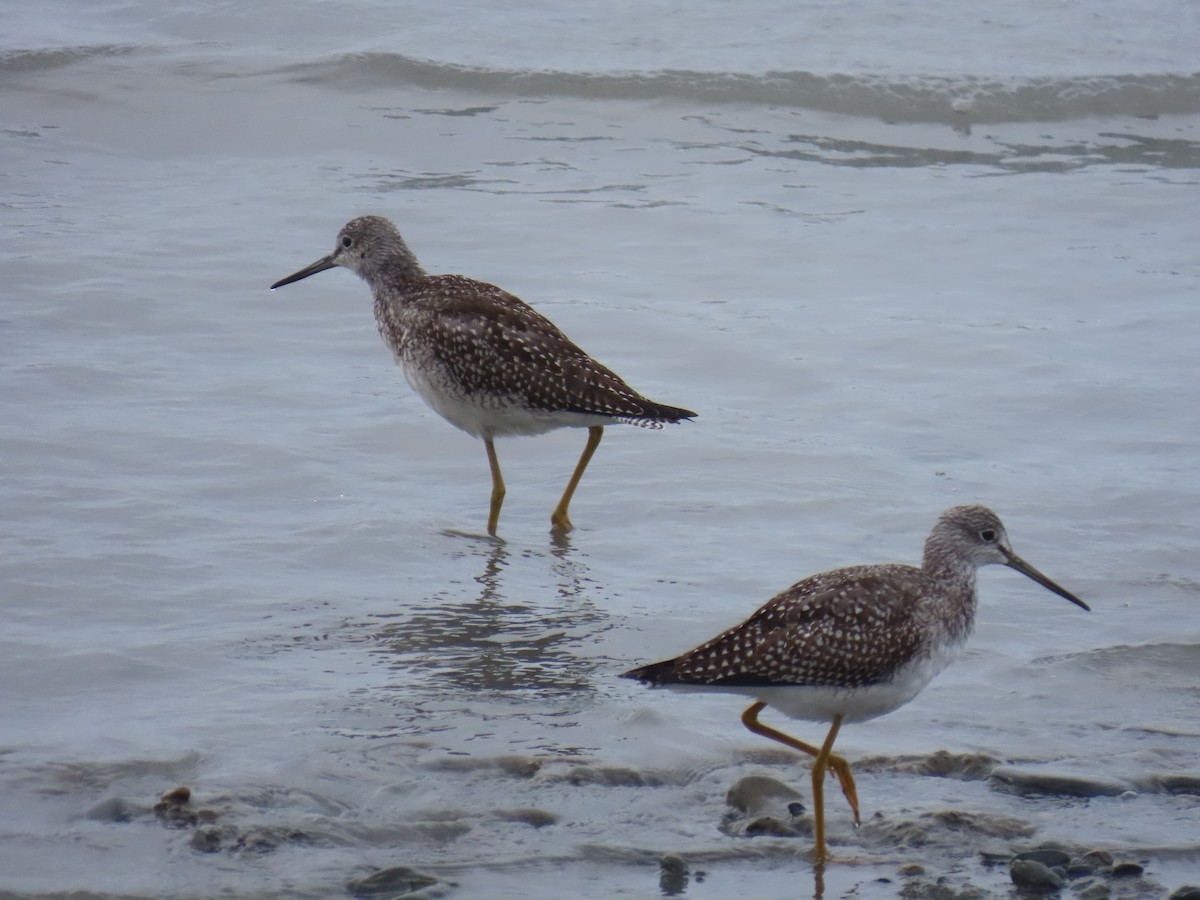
x: 861, y: 704
x: 819, y: 703
x: 491, y: 415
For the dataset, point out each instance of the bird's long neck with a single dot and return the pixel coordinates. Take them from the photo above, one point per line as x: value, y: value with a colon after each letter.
x: 400, y: 268
x: 392, y: 270
x: 955, y: 580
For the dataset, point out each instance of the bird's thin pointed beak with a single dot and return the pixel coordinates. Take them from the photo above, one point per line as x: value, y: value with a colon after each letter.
x: 325, y: 262
x: 1015, y: 562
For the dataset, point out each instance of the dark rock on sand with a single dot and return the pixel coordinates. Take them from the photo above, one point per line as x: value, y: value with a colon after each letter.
x: 920, y: 889
x: 609, y: 776
x: 947, y: 828
x: 940, y: 764
x: 174, y: 810
x: 1030, y: 782
x: 1176, y: 784
x: 672, y: 875
x: 181, y: 794
x: 761, y: 805
x: 514, y: 766
x: 212, y: 839
x: 1127, y: 870
x: 1091, y: 889
x: 398, y: 881
x: 761, y: 795
x: 770, y: 827
x: 1097, y: 860
x: 1030, y: 875
x: 1187, y: 892
x: 537, y: 818
x: 1047, y: 856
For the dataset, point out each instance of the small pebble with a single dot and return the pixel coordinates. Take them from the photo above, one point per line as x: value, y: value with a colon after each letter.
x: 771, y: 827
x: 1028, y: 783
x: 181, y: 794
x: 1047, y: 856
x: 1033, y: 876
x: 206, y: 840
x: 1094, y: 890
x: 672, y: 875
x: 1097, y: 859
x: 756, y: 794
x: 1127, y: 870
x: 390, y: 882
x: 1187, y: 892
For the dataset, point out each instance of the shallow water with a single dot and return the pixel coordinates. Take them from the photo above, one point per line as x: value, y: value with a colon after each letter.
x: 236, y: 556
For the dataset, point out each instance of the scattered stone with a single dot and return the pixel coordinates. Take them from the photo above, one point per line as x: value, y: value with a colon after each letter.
x: 394, y: 882
x: 1047, y: 856
x: 756, y: 794
x: 672, y: 876
x: 608, y: 776
x: 1030, y: 875
x: 957, y: 820
x: 1025, y: 783
x: 538, y: 818
x: 1094, y: 889
x: 173, y: 809
x: 911, y: 870
x: 1178, y: 784
x: 180, y: 794
x: 937, y: 890
x: 898, y: 833
x: 259, y: 840
x: 940, y: 764
x: 1127, y: 870
x: 1098, y: 860
x: 771, y: 827
x: 207, y: 840
x: 517, y: 766
x: 1187, y: 892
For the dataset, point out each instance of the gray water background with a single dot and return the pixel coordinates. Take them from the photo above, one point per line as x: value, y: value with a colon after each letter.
x: 897, y: 261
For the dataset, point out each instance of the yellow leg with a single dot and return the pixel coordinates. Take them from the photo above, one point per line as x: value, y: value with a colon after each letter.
x: 497, y: 486
x: 559, y: 520
x: 820, y: 852
x: 840, y: 767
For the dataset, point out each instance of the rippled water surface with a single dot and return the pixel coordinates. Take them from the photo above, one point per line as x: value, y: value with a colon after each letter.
x: 892, y: 274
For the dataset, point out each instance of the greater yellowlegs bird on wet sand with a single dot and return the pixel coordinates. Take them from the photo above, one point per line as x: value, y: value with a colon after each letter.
x: 852, y: 644
x: 484, y: 360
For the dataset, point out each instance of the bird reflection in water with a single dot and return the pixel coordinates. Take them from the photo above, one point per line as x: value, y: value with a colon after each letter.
x: 450, y: 649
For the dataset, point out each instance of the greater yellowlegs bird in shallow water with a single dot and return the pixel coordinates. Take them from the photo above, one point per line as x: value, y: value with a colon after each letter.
x: 484, y: 360
x: 852, y: 644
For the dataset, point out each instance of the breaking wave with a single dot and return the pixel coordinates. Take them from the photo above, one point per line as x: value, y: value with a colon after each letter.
x: 917, y: 98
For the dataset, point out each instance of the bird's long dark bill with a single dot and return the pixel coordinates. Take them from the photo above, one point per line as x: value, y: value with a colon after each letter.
x: 1015, y: 562
x: 319, y: 266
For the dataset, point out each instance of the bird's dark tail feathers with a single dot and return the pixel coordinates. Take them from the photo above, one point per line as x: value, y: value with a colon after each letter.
x: 654, y: 673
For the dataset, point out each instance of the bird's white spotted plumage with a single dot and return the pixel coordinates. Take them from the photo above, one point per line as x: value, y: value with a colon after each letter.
x: 855, y: 643
x: 483, y: 359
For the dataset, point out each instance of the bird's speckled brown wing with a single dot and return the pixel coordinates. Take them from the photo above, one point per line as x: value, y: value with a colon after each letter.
x: 846, y: 628
x: 489, y: 342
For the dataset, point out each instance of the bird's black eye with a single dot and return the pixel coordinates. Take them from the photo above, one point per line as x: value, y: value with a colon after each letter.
x: 987, y: 535
x: 347, y: 242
